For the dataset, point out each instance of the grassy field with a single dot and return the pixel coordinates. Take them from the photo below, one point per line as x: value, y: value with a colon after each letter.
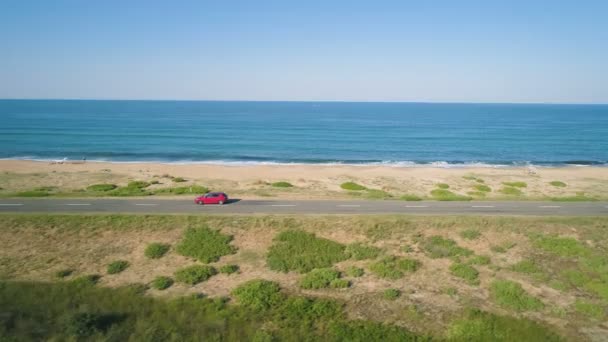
x: 275, y: 277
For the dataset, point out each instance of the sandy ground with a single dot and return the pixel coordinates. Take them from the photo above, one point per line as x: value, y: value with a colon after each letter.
x: 310, y: 181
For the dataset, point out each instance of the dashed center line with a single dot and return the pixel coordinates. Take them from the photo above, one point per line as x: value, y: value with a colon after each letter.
x: 282, y: 205
x: 416, y: 206
x: 11, y: 204
x: 78, y: 203
x: 146, y: 204
x: 549, y: 206
x: 482, y: 206
x: 349, y: 205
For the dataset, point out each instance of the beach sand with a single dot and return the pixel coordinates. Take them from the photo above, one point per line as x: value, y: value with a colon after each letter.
x: 309, y: 181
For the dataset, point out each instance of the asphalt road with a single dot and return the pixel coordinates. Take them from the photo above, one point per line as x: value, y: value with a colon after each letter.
x: 166, y: 206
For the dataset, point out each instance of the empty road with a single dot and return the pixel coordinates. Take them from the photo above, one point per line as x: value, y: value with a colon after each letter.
x: 166, y: 206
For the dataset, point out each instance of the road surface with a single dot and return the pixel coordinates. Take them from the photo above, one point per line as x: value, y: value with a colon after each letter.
x: 167, y: 206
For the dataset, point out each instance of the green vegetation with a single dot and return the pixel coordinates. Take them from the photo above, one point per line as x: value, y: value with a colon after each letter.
x: 259, y: 295
x: 482, y: 188
x: 178, y: 179
x: 359, y: 251
x: 470, y: 234
x: 562, y: 246
x: 192, y: 189
x: 204, y: 244
x: 579, y: 197
x: 117, y: 266
x: 393, y: 267
x: 590, y: 309
x: 391, y: 294
x: 64, y: 273
x: 516, y: 184
x: 101, y: 187
x: 161, y: 283
x: 511, y: 295
x: 443, y: 186
x: 296, y: 250
x: 195, y: 274
x: 410, y: 197
x: 282, y: 185
x: 319, y: 278
x: 440, y: 247
x: 156, y: 250
x: 32, y: 193
x: 527, y: 267
x: 229, y: 269
x: 446, y: 195
x: 354, y: 271
x: 134, y: 188
x: 376, y: 194
x: 507, y: 190
x: 476, y: 194
x: 339, y: 284
x: 352, y: 186
x: 558, y: 184
x: 479, y: 260
x: 466, y: 272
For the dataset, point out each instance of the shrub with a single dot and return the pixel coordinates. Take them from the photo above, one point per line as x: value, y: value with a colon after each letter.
x: 393, y: 267
x: 391, y: 294
x: 258, y: 294
x: 296, y: 250
x: 354, y: 271
x: 482, y: 188
x: 589, y: 309
x: 470, y: 234
x: 352, y: 186
x: 558, y: 184
x: 511, y: 295
x: 156, y: 250
x: 439, y: 247
x: 83, y: 324
x: 480, y: 260
x: 204, y: 244
x: 359, y: 251
x: 282, y: 185
x: 86, y: 280
x: 192, y: 189
x: 410, y: 197
x: 117, y: 266
x: 443, y: 186
x: 466, y: 272
x: 339, y: 284
x: 64, y: 273
x: 162, y: 283
x: 376, y: 194
x: 319, y: 278
x: 195, y: 274
x: 138, y: 184
x: 507, y: 190
x: 178, y: 179
x: 229, y: 269
x: 515, y: 184
x: 101, y: 187
x: 446, y: 195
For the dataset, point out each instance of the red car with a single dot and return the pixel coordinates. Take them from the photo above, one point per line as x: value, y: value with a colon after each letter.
x: 212, y: 198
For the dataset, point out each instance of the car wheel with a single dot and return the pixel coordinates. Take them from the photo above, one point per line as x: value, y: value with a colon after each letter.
x: 199, y: 202
x: 221, y: 202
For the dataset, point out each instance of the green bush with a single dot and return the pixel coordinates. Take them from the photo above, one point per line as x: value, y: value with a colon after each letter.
x: 296, y: 250
x: 259, y: 294
x: 391, y: 294
x: 354, y: 271
x: 558, y: 184
x: 229, y: 269
x: 470, y: 234
x: 83, y: 324
x: 393, y: 267
x: 359, y: 251
x: 443, y: 186
x: 101, y: 187
x: 439, y: 247
x: 511, y: 295
x: 515, y: 184
x: 138, y: 184
x: 480, y: 260
x: 446, y: 195
x: 192, y: 189
x: 282, y: 185
x: 117, y: 266
x: 319, y: 278
x: 466, y: 272
x: 162, y: 283
x: 339, y: 284
x: 195, y: 274
x: 64, y: 273
x: 178, y: 179
x: 204, y: 244
x: 507, y: 190
x: 482, y: 188
x: 410, y: 197
x: 352, y: 186
x: 156, y: 250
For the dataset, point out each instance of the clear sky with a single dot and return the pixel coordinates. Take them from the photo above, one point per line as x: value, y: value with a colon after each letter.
x: 449, y: 51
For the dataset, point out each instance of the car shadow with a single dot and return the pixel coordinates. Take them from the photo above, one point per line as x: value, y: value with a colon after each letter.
x: 233, y: 200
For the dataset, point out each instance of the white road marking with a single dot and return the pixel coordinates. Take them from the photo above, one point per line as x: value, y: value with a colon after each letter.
x: 282, y: 205
x: 10, y: 204
x: 78, y: 203
x: 549, y: 206
x: 416, y: 206
x: 146, y: 204
x: 482, y: 206
x: 349, y: 205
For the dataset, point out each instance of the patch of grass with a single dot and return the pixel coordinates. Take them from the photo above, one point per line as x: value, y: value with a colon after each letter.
x: 161, y: 283
x: 562, y: 246
x: 352, y: 186
x: 482, y: 188
x: 480, y: 260
x: 439, y: 247
x: 476, y: 193
x: 134, y: 188
x: 64, y: 273
x: 204, y: 244
x: 393, y: 267
x: 410, y: 197
x: 558, y: 184
x: 443, y: 186
x: 282, y: 185
x: 192, y: 189
x: 258, y: 294
x: 470, y: 234
x: 101, y: 187
x: 446, y: 195
x: 195, y: 274
x: 178, y: 179
x: 498, y: 249
x: 156, y: 250
x: 579, y: 197
x: 391, y: 294
x: 516, y: 184
x: 138, y: 184
x: 117, y: 266
x: 354, y: 271
x: 339, y: 284
x: 319, y: 278
x: 466, y: 272
x: 376, y: 194
x: 590, y: 309
x: 32, y: 193
x: 507, y: 190
x: 451, y: 291
x: 229, y: 269
x: 527, y: 267
x: 296, y: 250
x: 511, y: 295
x: 359, y: 251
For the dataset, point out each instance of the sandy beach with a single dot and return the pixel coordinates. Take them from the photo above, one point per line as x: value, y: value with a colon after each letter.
x: 309, y: 181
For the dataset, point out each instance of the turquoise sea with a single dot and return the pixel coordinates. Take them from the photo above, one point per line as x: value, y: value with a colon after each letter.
x: 240, y: 132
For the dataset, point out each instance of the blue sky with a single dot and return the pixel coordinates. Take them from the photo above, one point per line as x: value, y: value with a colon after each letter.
x: 437, y: 51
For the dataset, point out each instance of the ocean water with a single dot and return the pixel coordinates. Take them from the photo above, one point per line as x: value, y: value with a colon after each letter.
x: 405, y: 134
